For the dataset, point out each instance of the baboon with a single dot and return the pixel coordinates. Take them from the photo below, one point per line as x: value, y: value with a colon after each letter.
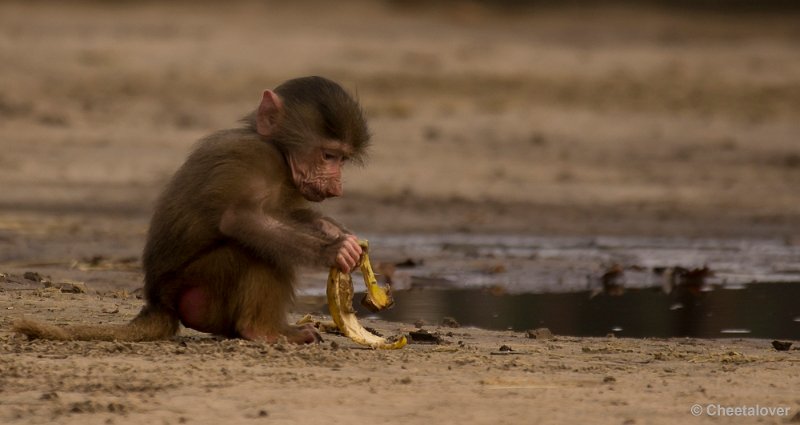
x: 234, y: 222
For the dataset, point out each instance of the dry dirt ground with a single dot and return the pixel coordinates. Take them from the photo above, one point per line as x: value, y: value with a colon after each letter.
x: 196, y: 379
x: 583, y: 121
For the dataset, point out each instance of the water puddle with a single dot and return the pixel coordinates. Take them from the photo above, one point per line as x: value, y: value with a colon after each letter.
x: 592, y: 286
x: 521, y: 264
x: 764, y: 310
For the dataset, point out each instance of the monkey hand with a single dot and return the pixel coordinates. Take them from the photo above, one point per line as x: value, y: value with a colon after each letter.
x: 348, y: 253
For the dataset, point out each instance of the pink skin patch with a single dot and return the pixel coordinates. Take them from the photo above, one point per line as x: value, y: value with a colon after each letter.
x: 193, y: 309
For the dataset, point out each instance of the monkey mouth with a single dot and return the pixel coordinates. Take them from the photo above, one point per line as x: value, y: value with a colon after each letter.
x: 314, y: 195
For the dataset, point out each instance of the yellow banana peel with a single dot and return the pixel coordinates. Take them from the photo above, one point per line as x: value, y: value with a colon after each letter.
x: 377, y: 298
x: 340, y: 304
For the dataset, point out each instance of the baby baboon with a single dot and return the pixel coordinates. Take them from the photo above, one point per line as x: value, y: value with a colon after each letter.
x: 234, y: 223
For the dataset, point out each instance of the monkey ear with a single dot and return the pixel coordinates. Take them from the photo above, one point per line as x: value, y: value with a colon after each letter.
x: 269, y: 112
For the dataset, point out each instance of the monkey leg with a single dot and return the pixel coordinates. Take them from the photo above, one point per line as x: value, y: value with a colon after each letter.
x: 205, y: 292
x: 200, y: 310
x: 229, y: 292
x: 196, y: 308
x: 262, y: 299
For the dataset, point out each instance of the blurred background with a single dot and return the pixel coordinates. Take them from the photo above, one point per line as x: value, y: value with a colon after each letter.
x: 675, y: 119
x: 591, y: 117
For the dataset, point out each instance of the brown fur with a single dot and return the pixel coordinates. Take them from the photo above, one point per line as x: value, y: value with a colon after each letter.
x: 233, y: 223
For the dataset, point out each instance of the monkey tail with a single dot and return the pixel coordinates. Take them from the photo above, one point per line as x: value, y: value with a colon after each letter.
x: 149, y: 325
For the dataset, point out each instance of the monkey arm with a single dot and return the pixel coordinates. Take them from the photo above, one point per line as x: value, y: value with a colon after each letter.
x: 259, y: 209
x: 273, y: 238
x: 252, y: 209
x: 324, y: 224
x: 331, y: 227
x: 319, y: 222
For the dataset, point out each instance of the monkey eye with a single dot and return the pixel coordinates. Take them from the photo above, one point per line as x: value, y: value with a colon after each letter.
x: 333, y: 156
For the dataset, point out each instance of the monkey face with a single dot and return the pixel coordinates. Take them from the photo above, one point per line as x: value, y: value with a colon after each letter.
x: 317, y: 172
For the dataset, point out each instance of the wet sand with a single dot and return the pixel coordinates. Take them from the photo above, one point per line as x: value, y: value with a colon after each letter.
x: 563, y: 123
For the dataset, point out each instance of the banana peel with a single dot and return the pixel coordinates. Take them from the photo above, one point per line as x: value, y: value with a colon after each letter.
x: 340, y: 304
x: 377, y: 298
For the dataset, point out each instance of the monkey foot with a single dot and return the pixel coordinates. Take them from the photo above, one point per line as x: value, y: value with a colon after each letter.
x: 303, y: 334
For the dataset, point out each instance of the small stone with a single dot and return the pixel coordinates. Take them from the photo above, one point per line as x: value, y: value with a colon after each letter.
x: 52, y: 395
x: 505, y: 348
x: 540, y: 333
x: 609, y: 380
x: 85, y: 406
x: 782, y: 345
x: 36, y: 277
x: 71, y: 287
x: 424, y: 337
x: 408, y: 263
x: 450, y: 322
x: 419, y: 323
x: 138, y: 293
x: 432, y: 133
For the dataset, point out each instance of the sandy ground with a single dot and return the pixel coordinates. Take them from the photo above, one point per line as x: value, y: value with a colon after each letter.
x: 541, y: 122
x: 197, y: 379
